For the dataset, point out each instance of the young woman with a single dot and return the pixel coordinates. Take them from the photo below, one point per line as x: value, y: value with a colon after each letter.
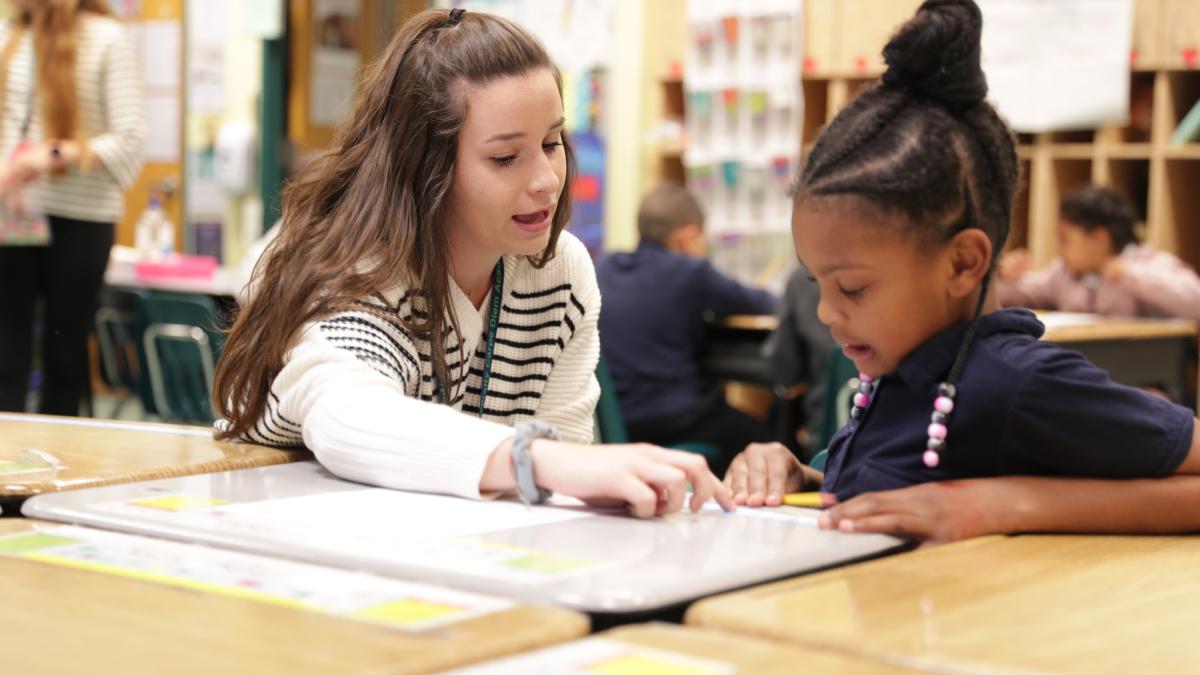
x: 422, y: 321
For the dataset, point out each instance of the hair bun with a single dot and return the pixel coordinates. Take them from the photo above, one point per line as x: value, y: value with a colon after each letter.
x: 936, y: 54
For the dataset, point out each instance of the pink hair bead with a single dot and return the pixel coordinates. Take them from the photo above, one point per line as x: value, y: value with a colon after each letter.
x: 861, y: 400
x: 937, y: 431
x: 931, y: 458
x: 944, y: 404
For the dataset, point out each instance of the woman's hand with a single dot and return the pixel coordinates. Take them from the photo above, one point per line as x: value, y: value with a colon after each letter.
x: 649, y: 480
x: 28, y: 164
x: 933, y: 513
x: 764, y: 472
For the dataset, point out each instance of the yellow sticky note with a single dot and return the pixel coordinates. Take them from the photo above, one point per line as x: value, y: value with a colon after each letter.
x: 810, y: 500
x: 640, y: 664
x: 407, y: 612
x: 549, y: 563
x: 178, y: 503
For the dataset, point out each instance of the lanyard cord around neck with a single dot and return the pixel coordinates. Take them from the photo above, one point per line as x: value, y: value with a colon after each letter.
x: 490, y: 348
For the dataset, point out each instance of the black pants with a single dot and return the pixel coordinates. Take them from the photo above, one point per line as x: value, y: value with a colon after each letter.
x: 67, y: 275
x: 714, y: 421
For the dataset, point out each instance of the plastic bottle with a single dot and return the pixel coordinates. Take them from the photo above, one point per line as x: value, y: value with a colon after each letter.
x: 146, y: 231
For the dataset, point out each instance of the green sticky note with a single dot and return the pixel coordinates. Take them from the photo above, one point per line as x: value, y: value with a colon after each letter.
x: 20, y: 467
x: 549, y: 563
x: 758, y: 102
x: 36, y: 541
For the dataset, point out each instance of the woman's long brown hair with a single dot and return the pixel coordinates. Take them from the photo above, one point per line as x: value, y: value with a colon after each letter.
x: 54, y: 24
x: 368, y: 213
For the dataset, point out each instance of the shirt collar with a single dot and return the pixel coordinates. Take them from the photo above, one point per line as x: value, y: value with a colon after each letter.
x: 650, y: 245
x: 931, y: 361
x: 628, y: 261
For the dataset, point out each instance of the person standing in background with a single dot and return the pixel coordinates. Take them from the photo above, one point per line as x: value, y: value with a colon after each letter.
x: 71, y: 101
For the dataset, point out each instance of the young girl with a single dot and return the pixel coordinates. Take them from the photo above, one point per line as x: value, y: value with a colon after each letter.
x: 1102, y: 267
x: 422, y: 321
x: 900, y: 206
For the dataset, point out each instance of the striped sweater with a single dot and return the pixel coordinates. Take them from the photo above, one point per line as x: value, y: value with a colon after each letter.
x: 111, y: 116
x: 358, y: 390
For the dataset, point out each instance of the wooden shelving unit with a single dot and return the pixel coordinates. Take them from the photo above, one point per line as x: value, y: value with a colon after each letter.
x: 843, y: 40
x: 1162, y: 181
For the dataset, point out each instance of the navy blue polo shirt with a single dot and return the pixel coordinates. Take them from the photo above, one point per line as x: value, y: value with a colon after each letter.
x: 652, y: 325
x: 1023, y: 407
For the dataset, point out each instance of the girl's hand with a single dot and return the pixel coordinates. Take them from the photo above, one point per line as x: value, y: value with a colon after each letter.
x: 1114, y: 269
x: 650, y: 480
x: 933, y: 513
x: 764, y: 472
x: 1013, y: 265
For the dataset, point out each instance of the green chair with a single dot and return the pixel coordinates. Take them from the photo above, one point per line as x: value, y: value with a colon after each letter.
x: 180, y: 345
x: 118, y: 337
x: 819, y: 459
x: 841, y: 381
x: 610, y: 424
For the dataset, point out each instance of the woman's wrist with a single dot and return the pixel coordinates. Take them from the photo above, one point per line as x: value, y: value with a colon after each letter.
x: 62, y: 155
x: 499, y: 474
x: 540, y: 449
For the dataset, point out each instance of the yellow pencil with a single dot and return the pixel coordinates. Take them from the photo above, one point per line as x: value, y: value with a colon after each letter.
x: 811, y: 500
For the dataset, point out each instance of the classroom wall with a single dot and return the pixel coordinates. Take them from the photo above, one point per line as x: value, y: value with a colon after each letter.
x: 243, y: 86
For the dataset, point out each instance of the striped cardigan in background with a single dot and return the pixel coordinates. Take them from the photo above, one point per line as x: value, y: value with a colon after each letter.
x: 357, y: 388
x: 111, y: 117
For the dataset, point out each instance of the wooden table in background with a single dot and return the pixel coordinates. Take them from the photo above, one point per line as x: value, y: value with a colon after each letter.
x: 1063, y: 604
x: 677, y: 649
x: 56, y: 619
x: 1138, y: 352
x: 102, y: 452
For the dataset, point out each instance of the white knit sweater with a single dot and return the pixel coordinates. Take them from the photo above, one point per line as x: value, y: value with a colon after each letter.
x: 357, y: 389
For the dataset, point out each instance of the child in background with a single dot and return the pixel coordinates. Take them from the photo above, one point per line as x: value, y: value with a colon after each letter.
x: 656, y: 302
x: 898, y: 210
x: 1101, y: 268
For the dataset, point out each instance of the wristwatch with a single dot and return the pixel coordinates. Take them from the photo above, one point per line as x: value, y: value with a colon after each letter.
x: 527, y: 432
x: 57, y: 163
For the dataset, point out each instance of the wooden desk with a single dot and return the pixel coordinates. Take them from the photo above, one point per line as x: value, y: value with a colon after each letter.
x: 57, y: 619
x: 733, y: 349
x: 103, y: 452
x: 1037, y: 603
x: 668, y: 648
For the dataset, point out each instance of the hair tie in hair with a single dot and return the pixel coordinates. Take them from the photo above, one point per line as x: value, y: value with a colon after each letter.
x: 455, y: 16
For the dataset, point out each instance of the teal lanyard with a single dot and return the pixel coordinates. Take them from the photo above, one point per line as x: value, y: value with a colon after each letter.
x: 490, y: 349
